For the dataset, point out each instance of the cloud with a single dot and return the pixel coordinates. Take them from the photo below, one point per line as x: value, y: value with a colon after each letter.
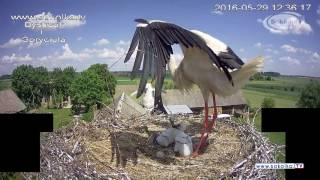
x: 72, y: 23
x: 34, y: 44
x: 241, y: 50
x: 44, y: 58
x: 123, y: 43
x: 107, y: 53
x: 315, y: 58
x: 272, y: 50
x: 287, y: 23
x: 12, y: 43
x: 16, y: 59
x: 110, y: 53
x: 102, y: 42
x: 68, y: 54
x: 290, y: 60
x: 48, y: 21
x: 18, y: 41
x: 258, y: 45
x: 318, y: 10
x: 79, y: 38
x: 289, y: 48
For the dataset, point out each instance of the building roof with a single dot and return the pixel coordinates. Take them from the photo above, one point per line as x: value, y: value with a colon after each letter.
x: 127, y: 107
x: 177, y: 109
x: 10, y: 102
x: 194, y: 99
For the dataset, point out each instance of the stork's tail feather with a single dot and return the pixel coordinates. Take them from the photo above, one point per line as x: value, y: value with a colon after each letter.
x: 242, y: 75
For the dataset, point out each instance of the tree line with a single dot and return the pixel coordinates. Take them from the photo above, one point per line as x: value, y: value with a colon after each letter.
x: 87, y: 88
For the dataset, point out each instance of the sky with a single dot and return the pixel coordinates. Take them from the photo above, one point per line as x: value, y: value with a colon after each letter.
x: 99, y: 31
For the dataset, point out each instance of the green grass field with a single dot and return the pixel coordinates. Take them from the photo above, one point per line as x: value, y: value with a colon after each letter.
x: 5, y: 84
x: 255, y: 98
x: 61, y: 117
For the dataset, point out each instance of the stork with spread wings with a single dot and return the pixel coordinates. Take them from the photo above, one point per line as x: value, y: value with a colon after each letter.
x: 208, y: 63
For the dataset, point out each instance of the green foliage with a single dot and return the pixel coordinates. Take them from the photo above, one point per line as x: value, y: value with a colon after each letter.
x: 262, y: 77
x: 87, y: 89
x: 88, y: 116
x: 69, y: 74
x: 310, y: 96
x: 268, y: 103
x: 292, y: 88
x: 109, y: 81
x: 257, y: 77
x: 168, y: 84
x: 30, y: 84
x: 8, y: 175
x: 61, y: 81
x: 268, y: 78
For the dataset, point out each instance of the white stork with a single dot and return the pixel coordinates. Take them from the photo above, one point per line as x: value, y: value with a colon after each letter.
x: 148, y: 99
x: 207, y: 62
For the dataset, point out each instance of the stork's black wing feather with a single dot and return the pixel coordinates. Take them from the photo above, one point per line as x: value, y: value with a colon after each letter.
x: 134, y: 43
x: 155, y: 41
x: 231, y: 59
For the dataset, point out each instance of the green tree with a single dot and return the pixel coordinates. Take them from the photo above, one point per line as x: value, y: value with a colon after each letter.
x: 42, y: 80
x: 268, y: 103
x: 310, y: 96
x: 69, y: 74
x: 87, y: 89
x: 30, y: 84
x: 258, y: 76
x: 268, y: 78
x: 57, y: 86
x: 292, y: 88
x: 109, y: 81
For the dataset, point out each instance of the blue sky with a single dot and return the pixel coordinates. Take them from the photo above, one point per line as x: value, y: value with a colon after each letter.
x: 104, y: 34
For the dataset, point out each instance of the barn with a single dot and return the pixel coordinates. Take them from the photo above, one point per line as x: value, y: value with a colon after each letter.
x: 194, y: 100
x: 126, y: 107
x: 10, y: 102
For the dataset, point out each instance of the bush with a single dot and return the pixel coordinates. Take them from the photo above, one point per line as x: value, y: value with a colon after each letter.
x: 88, y: 116
x: 169, y: 84
x: 268, y: 78
x: 292, y: 88
x: 87, y: 89
x: 268, y: 103
x: 310, y: 96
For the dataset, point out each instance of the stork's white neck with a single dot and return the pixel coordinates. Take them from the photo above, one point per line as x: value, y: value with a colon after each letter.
x: 142, y: 25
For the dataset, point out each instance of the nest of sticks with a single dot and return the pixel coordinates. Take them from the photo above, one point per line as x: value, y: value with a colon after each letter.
x: 113, y: 148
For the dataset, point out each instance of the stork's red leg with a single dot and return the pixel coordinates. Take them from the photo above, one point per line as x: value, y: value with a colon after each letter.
x: 204, y: 133
x: 214, y: 115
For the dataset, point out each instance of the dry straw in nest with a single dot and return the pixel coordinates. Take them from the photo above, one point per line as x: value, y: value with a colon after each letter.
x: 115, y: 148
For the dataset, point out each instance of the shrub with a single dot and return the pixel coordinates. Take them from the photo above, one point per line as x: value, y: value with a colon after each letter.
x: 292, y: 88
x: 87, y: 89
x: 268, y: 103
x: 310, y: 96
